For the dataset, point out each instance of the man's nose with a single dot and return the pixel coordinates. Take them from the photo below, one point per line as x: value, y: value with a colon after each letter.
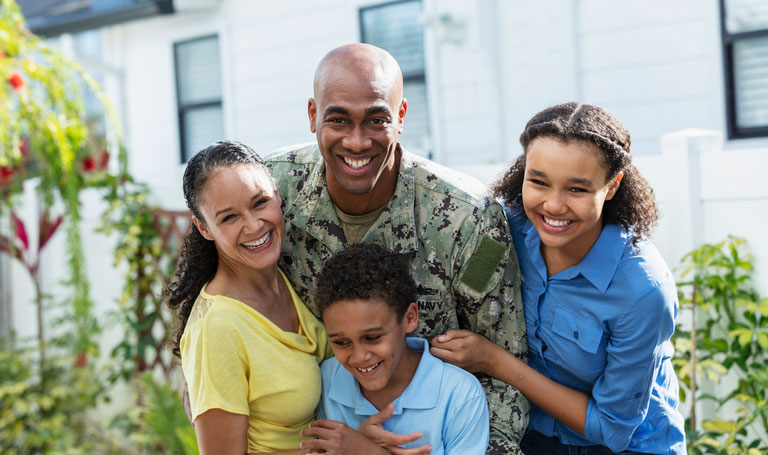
x: 356, y: 140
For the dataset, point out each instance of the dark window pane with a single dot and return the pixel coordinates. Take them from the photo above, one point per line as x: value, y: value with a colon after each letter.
x: 397, y: 28
x: 746, y: 15
x: 198, y: 70
x: 202, y: 126
x: 415, y: 137
x: 750, y: 74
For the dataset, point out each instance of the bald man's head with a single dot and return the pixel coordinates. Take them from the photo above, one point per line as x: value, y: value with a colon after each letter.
x: 363, y: 61
x: 357, y: 113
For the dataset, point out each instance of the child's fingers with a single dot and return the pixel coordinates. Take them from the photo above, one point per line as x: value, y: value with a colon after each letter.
x: 380, y: 417
x: 394, y: 439
x: 421, y: 450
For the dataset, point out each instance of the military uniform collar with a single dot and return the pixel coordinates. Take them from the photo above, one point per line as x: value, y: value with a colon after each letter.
x: 313, y: 211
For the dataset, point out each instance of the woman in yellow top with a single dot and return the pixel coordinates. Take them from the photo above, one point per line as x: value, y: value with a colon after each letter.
x: 250, y: 350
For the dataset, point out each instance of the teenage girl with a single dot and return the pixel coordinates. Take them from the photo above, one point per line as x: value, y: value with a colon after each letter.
x: 600, y: 302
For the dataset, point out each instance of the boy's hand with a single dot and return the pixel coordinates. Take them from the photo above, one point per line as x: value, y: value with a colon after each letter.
x: 464, y: 349
x: 336, y: 438
x: 373, y: 429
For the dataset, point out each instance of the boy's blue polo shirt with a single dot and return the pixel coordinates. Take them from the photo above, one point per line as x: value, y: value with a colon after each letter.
x: 444, y: 402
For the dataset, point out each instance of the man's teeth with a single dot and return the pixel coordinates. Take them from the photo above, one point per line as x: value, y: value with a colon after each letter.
x: 557, y: 223
x: 369, y: 369
x: 259, y: 242
x: 356, y: 164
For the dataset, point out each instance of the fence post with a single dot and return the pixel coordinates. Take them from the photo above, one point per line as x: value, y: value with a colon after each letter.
x: 683, y: 209
x: 684, y: 215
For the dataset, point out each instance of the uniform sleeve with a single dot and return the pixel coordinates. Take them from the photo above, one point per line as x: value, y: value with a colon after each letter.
x: 215, y: 367
x: 489, y: 302
x: 466, y: 431
x: 635, y: 352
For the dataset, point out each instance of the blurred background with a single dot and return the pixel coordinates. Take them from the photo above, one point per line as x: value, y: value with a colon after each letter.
x: 688, y: 78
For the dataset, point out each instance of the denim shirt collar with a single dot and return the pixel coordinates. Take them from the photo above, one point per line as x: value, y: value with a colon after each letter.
x: 599, y: 265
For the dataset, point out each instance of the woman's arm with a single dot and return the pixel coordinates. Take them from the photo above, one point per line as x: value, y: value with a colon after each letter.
x: 224, y: 433
x: 476, y: 353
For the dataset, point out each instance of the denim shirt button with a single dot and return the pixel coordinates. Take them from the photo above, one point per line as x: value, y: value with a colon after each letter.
x: 576, y: 335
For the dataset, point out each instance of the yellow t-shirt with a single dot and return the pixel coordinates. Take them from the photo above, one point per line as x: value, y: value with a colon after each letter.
x: 237, y: 360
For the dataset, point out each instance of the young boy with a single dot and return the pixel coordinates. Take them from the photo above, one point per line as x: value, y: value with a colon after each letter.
x: 367, y: 300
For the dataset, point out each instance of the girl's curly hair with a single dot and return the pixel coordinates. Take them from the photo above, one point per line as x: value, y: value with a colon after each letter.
x: 198, y: 258
x: 633, y: 206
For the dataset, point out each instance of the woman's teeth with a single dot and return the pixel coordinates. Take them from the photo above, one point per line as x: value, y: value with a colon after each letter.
x: 258, y: 242
x: 356, y: 164
x: 557, y: 223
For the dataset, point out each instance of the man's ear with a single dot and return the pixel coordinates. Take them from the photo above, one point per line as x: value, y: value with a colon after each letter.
x: 200, y: 225
x: 614, y: 186
x: 401, y: 115
x: 411, y: 317
x: 312, y: 114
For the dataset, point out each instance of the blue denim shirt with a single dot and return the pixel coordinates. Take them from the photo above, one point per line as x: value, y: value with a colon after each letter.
x: 603, y: 327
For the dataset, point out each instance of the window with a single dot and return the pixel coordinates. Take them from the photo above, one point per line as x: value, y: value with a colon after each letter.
x: 745, y: 51
x: 198, y: 91
x: 396, y: 27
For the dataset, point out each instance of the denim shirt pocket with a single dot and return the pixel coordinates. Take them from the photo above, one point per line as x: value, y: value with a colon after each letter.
x: 582, y: 332
x: 577, y: 345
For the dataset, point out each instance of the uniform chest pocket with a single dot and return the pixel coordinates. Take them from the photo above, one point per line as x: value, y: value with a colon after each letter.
x: 580, y: 331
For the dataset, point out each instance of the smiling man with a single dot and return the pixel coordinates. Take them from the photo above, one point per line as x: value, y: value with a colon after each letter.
x: 357, y: 184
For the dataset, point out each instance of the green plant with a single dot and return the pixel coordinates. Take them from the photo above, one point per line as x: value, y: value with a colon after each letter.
x: 729, y: 335
x: 146, y: 246
x: 46, y: 133
x: 44, y: 413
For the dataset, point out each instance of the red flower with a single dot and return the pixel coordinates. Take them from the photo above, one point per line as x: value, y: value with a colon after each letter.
x: 89, y: 164
x: 6, y: 175
x: 16, y: 81
x: 82, y: 360
x: 2, y: 54
x: 21, y: 230
x: 24, y: 147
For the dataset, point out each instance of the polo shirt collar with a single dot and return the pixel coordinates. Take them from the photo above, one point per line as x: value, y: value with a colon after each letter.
x: 600, y: 264
x: 422, y: 393
x: 313, y: 211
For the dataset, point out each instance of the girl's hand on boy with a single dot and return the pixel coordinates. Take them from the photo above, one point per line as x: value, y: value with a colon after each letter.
x: 464, y: 349
x: 373, y: 429
x: 336, y: 438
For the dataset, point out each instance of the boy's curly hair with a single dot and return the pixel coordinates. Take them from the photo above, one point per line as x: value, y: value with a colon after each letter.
x: 366, y: 271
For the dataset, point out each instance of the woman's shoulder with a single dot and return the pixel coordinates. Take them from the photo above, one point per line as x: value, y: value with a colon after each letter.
x: 217, y: 313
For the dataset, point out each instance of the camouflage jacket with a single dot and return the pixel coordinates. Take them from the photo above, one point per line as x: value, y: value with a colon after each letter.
x: 456, y: 239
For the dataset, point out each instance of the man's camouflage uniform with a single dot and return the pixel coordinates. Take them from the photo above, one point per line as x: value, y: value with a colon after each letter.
x: 455, y: 237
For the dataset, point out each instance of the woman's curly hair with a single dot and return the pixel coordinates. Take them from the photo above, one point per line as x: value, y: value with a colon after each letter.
x: 366, y: 271
x: 198, y: 258
x: 633, y: 206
